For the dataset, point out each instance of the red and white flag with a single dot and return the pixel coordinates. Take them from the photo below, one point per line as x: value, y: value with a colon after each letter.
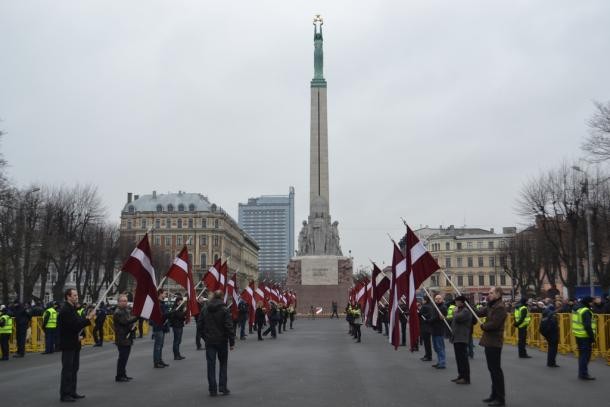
x: 361, y: 293
x: 259, y: 294
x: 180, y: 272
x: 224, y: 271
x: 212, y: 277
x: 232, y: 291
x: 398, y: 288
x: 381, y: 285
x: 248, y: 296
x: 420, y: 266
x: 146, y: 300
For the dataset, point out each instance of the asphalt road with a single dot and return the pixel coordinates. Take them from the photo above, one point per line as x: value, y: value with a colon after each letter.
x: 316, y: 364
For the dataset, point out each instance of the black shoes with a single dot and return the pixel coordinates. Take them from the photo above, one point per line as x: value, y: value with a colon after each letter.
x: 462, y: 381
x: 425, y: 359
x: 67, y: 399
x: 586, y: 377
x: 496, y: 403
x: 77, y: 396
x: 225, y: 392
x: 121, y: 379
x: 164, y: 364
x: 159, y: 365
x: 553, y: 365
x: 525, y: 357
x: 213, y: 394
x: 488, y: 400
x: 179, y: 357
x: 456, y: 379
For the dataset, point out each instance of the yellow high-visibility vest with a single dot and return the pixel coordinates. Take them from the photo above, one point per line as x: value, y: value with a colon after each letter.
x: 578, y: 328
x: 526, y: 320
x: 8, y: 324
x: 52, y: 322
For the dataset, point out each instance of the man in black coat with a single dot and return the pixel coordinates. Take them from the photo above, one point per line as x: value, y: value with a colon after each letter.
x: 218, y: 335
x: 22, y: 321
x: 70, y: 325
x: 549, y: 328
x: 124, y: 332
x: 98, y: 329
x: 425, y: 318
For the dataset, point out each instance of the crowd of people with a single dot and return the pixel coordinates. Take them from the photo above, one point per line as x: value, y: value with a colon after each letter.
x: 455, y: 318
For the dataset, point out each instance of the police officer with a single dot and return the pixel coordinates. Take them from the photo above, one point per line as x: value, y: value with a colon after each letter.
x: 522, y: 321
x: 584, y: 328
x: 357, y: 322
x: 49, y: 324
x: 98, y: 329
x: 6, y: 329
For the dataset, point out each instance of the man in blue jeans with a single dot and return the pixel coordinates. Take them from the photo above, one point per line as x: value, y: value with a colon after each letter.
x: 219, y: 337
x: 437, y: 323
x: 159, y: 332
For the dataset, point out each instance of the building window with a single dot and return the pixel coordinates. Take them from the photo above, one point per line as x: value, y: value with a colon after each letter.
x: 492, y: 261
x: 178, y: 240
x: 469, y: 245
x: 503, y: 261
x: 203, y: 240
x: 216, y: 241
x: 179, y: 223
x: 481, y: 280
x: 190, y: 223
x: 502, y: 279
x: 204, y: 261
x: 180, y: 208
x: 459, y: 262
x: 129, y: 224
x: 168, y: 240
x: 502, y: 243
x: 434, y: 281
x: 191, y: 208
x: 490, y: 245
x: 492, y: 280
x: 215, y: 257
x: 447, y: 246
x: 460, y: 281
x: 448, y: 262
x: 157, y: 223
x: 131, y: 209
x: 216, y: 223
x: 143, y: 221
x: 458, y: 246
x: 204, y: 223
x: 159, y: 208
x: 479, y: 245
x: 480, y: 261
x: 170, y: 208
x: 157, y: 240
x: 470, y: 262
x: 470, y: 280
x: 168, y: 223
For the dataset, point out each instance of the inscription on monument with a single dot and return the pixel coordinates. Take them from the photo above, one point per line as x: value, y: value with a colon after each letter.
x: 318, y: 270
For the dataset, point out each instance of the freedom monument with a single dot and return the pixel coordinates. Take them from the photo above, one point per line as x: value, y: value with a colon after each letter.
x: 319, y: 273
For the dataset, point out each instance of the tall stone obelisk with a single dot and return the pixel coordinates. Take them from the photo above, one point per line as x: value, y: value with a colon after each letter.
x: 318, y: 236
x: 319, y: 274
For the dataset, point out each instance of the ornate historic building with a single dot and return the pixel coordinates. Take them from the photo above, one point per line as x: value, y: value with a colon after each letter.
x: 189, y: 218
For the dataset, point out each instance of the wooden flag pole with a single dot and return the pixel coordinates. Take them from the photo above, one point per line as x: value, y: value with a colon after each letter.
x: 459, y: 293
x: 103, y: 297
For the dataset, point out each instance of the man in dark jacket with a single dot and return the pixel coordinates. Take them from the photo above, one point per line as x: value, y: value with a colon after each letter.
x: 242, y: 308
x: 259, y: 319
x: 203, y: 303
x: 273, y: 318
x: 176, y: 320
x: 218, y: 335
x: 22, y: 321
x: 70, y: 326
x: 438, y: 331
x: 425, y: 316
x: 492, y: 340
x: 461, y: 325
x: 549, y: 328
x: 584, y: 327
x: 98, y: 328
x: 124, y: 332
x: 159, y: 332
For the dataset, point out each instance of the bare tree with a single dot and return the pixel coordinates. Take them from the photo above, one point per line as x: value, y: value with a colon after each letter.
x: 597, y: 145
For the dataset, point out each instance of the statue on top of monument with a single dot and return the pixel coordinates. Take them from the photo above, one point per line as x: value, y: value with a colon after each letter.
x: 303, y: 240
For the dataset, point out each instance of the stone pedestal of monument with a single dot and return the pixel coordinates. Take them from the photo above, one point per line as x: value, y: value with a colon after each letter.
x: 320, y: 280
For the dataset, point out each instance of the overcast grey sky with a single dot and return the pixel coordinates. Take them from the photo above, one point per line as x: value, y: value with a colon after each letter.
x: 439, y: 111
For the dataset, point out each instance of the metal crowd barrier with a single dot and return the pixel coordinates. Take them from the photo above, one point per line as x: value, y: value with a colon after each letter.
x: 567, y: 342
x: 35, y: 336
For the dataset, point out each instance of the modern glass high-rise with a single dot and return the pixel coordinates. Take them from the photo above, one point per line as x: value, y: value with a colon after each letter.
x: 269, y: 219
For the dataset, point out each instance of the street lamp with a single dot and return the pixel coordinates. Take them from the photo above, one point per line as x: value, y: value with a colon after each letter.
x: 588, y: 216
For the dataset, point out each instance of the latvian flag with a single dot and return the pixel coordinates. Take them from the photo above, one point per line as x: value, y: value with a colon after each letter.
x: 398, y: 288
x: 146, y: 300
x: 212, y: 277
x: 180, y: 272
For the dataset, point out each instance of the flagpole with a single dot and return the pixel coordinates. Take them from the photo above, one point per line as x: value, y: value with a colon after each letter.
x: 459, y: 293
x: 437, y: 310
x: 107, y: 290
x: 399, y: 309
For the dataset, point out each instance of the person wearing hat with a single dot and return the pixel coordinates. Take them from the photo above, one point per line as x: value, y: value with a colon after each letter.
x: 6, y: 329
x: 584, y: 327
x: 460, y: 326
x: 22, y: 315
x: 522, y: 321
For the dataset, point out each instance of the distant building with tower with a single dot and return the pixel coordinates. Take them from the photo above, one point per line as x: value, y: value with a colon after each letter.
x: 269, y: 219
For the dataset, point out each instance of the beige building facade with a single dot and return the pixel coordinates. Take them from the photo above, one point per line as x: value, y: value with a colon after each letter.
x: 473, y: 258
x: 183, y: 218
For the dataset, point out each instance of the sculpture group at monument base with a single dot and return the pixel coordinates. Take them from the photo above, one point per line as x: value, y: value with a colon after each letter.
x: 320, y: 280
